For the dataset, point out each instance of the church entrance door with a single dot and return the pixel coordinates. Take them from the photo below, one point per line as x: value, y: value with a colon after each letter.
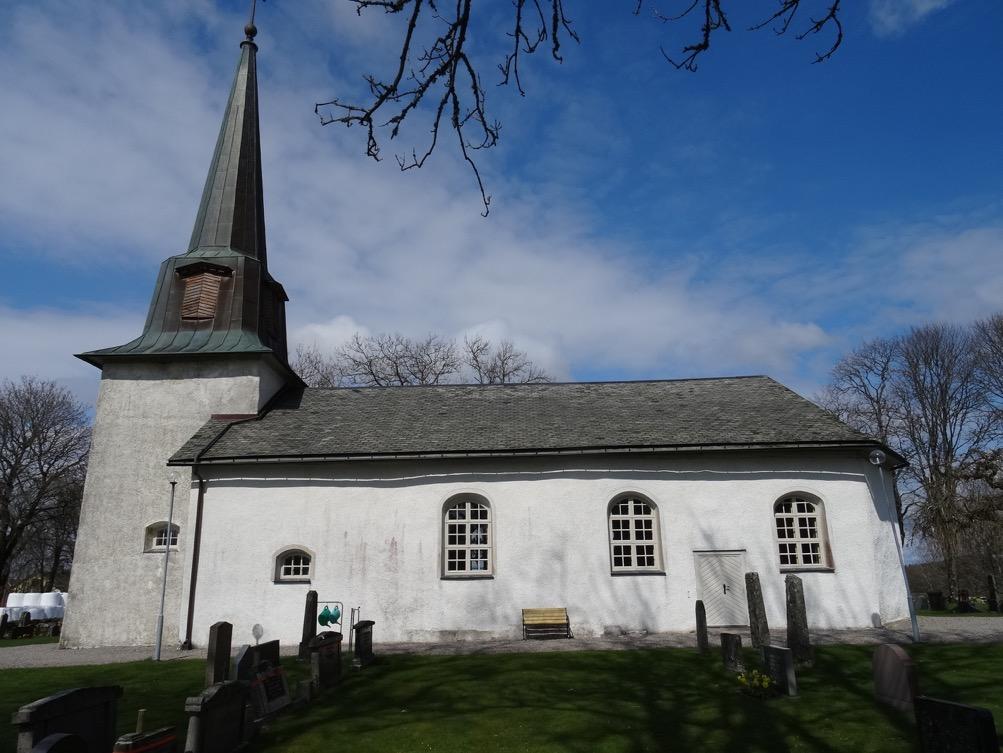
x: 721, y: 586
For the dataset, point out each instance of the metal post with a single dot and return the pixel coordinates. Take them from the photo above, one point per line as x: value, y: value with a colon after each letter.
x: 163, y: 586
x: 905, y: 574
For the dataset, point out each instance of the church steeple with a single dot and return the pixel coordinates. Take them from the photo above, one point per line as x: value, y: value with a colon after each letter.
x: 231, y: 215
x: 218, y: 298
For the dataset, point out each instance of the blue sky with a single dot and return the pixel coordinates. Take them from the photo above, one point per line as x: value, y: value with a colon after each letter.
x: 763, y: 215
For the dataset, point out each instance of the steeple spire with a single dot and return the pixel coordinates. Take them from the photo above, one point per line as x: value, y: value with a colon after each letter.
x: 231, y: 215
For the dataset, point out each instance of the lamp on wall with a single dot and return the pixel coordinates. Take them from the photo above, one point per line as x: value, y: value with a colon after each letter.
x: 877, y: 458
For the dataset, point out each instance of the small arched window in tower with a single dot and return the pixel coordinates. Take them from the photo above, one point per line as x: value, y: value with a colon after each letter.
x: 160, y: 536
x: 293, y: 565
x: 202, y: 282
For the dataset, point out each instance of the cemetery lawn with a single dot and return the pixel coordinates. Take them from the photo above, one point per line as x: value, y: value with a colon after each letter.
x: 11, y: 642
x: 657, y: 700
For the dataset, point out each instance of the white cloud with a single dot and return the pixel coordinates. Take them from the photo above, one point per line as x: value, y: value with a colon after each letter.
x: 893, y: 17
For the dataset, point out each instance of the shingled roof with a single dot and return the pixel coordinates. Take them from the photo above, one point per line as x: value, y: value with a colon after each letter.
x: 448, y: 420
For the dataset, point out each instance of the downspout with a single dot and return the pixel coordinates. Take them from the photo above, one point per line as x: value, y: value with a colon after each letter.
x: 186, y: 644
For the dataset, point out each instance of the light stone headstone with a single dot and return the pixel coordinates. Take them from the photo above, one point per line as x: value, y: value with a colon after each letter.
x: 894, y: 677
x: 798, y: 639
x: 703, y: 642
x: 217, y: 663
x: 946, y: 727
x: 779, y: 665
x: 731, y: 652
x: 758, y: 625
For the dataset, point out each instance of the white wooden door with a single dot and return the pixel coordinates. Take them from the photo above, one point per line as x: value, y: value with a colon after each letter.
x: 721, y: 586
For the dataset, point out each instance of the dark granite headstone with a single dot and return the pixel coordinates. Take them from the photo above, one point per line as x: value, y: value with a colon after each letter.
x: 88, y: 713
x: 779, y: 665
x: 731, y: 652
x: 3, y: 624
x: 363, y: 643
x: 24, y: 620
x: 798, y: 639
x: 757, y: 611
x: 217, y: 662
x: 992, y: 595
x: 325, y: 659
x: 217, y: 720
x: 946, y: 727
x: 245, y: 663
x: 269, y: 652
x: 703, y: 642
x: 269, y: 690
x: 937, y: 601
x: 61, y: 742
x: 163, y: 740
x: 309, y: 625
x: 894, y: 676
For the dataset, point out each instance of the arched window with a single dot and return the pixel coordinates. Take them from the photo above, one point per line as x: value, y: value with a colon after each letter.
x: 634, y: 544
x: 159, y: 536
x: 467, y: 539
x: 801, y: 539
x: 293, y: 565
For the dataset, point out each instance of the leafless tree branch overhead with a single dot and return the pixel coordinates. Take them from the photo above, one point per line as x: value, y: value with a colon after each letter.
x: 435, y: 70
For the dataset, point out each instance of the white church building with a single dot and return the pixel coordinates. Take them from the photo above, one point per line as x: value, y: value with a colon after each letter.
x: 442, y: 511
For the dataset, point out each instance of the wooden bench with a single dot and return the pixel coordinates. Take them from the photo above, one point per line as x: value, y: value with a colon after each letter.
x: 546, y: 623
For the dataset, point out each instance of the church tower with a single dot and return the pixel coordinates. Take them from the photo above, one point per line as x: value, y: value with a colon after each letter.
x: 214, y: 343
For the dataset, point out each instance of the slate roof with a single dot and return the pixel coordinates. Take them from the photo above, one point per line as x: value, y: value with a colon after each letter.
x: 380, y: 422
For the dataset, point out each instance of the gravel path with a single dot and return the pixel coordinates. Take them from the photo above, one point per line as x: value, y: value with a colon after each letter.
x: 933, y: 630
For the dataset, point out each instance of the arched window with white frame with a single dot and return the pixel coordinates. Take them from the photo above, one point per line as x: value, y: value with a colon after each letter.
x: 634, y: 535
x: 467, y: 538
x: 801, y: 534
x: 293, y: 566
x: 159, y: 536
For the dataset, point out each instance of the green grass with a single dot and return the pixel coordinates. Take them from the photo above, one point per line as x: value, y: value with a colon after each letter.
x: 630, y: 701
x: 11, y: 642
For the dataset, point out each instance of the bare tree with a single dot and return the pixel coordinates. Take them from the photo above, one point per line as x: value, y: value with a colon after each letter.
x: 499, y: 365
x: 436, y: 70
x: 396, y: 360
x: 44, y: 438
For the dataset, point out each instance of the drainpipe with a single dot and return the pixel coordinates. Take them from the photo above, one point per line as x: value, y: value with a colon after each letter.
x: 186, y: 644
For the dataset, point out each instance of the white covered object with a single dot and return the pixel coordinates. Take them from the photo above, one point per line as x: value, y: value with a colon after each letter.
x: 51, y: 599
x: 32, y: 600
x: 15, y: 599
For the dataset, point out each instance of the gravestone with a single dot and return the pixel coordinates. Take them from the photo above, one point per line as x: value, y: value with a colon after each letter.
x: 779, y: 665
x: 363, y: 643
x: 269, y: 652
x: 87, y: 713
x: 731, y: 652
x: 25, y: 619
x: 244, y: 664
x: 946, y: 727
x: 217, y: 720
x: 309, y: 625
x: 703, y: 642
x: 217, y: 662
x: 3, y: 624
x: 798, y: 640
x: 937, y: 601
x: 992, y: 597
x: 269, y: 689
x: 61, y: 742
x: 757, y: 611
x: 894, y: 676
x: 325, y: 659
x: 163, y: 740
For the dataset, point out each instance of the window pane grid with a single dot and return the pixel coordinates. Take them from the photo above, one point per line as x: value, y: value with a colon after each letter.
x: 161, y: 538
x: 295, y: 566
x: 798, y: 532
x: 632, y: 533
x: 468, y: 538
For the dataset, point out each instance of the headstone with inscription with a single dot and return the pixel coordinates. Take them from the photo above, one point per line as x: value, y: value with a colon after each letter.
x: 363, y: 643
x: 163, y: 740
x: 309, y: 625
x: 90, y: 714
x: 731, y: 652
x: 217, y: 663
x: 269, y: 689
x: 946, y: 727
x: 703, y: 642
x: 758, y: 624
x: 798, y: 639
x: 894, y: 676
x: 325, y: 659
x: 779, y: 665
x: 217, y: 721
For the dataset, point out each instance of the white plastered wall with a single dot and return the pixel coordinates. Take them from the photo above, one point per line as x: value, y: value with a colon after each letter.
x: 145, y: 412
x: 376, y: 529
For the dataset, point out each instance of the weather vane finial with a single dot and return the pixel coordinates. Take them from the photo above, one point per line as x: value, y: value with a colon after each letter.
x: 251, y: 30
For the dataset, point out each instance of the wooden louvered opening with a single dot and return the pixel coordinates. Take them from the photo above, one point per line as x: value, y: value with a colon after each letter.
x: 201, y: 295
